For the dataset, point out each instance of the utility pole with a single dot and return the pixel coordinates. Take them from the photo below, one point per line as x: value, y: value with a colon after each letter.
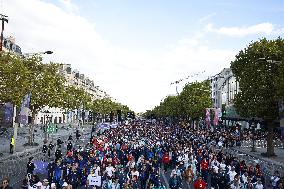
x: 4, y: 19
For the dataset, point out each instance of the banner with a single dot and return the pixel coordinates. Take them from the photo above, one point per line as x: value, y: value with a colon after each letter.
x: 40, y: 167
x: 95, y: 180
x: 8, y: 114
x: 207, y: 117
x: 24, y: 112
x: 216, y: 117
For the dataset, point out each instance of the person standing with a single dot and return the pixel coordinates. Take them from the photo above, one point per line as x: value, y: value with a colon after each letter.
x: 44, y: 149
x: 204, y: 169
x: 69, y: 146
x: 199, y: 184
x: 12, y: 143
x: 166, y: 161
x: 5, y: 184
x: 50, y: 148
x: 30, y: 166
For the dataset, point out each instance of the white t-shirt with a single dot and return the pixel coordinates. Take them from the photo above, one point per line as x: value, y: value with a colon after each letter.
x: 110, y: 171
x: 244, y: 178
x: 258, y: 186
x: 232, y: 175
x: 135, y: 173
x: 97, y: 170
x: 274, y: 180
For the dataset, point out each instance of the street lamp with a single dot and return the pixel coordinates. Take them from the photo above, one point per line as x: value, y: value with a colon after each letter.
x: 252, y: 125
x: 37, y: 53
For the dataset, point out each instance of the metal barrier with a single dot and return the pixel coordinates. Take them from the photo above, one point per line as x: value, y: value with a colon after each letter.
x: 262, y: 143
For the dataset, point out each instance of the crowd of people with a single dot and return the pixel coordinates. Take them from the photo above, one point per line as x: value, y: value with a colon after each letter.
x: 144, y: 155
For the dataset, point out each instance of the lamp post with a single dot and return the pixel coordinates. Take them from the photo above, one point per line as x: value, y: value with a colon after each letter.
x: 37, y: 53
x: 3, y: 18
x: 46, y: 127
x: 252, y: 125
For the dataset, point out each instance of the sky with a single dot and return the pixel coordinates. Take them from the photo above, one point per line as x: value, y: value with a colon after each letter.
x: 135, y: 49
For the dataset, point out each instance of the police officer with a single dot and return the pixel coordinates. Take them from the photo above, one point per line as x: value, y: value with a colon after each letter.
x: 12, y: 143
x: 69, y: 146
x: 58, y: 153
x: 44, y: 149
x: 50, y: 148
x: 59, y: 142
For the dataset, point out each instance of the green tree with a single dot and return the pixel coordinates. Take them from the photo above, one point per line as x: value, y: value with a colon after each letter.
x: 20, y: 76
x: 259, y: 70
x: 195, y: 98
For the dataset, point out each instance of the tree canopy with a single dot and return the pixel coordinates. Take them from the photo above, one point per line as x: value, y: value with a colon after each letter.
x: 191, y: 102
x: 259, y: 70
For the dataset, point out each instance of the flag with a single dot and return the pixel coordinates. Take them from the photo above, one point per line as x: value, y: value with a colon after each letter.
x: 24, y: 112
x: 9, y: 110
x: 216, y: 118
x: 40, y: 167
x: 207, y: 117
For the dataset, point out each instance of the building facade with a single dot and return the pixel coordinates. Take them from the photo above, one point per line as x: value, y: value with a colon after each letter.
x: 224, y: 88
x: 9, y: 45
x: 78, y: 80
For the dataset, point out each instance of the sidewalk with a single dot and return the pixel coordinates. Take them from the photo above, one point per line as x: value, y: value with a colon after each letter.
x: 279, y: 159
x: 22, y: 139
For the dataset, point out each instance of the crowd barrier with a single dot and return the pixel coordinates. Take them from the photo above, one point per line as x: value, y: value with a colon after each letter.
x: 262, y: 144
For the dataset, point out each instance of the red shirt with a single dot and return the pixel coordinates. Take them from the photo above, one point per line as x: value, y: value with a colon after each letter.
x: 199, y: 184
x: 204, y: 165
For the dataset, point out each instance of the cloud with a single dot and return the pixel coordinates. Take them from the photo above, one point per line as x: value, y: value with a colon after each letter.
x: 263, y: 28
x: 136, y: 77
x: 207, y: 17
x: 69, y: 6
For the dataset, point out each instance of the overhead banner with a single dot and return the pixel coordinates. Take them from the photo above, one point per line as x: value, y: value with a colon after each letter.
x: 24, y: 112
x: 216, y: 117
x: 207, y: 117
x: 6, y: 115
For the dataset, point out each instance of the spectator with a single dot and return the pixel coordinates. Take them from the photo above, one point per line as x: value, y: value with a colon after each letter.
x: 199, y: 184
x: 5, y: 184
x: 30, y: 166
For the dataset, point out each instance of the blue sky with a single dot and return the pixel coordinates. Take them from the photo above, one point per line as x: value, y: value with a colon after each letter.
x: 134, y: 49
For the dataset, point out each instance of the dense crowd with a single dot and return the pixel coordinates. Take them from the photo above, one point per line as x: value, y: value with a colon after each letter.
x: 140, y: 154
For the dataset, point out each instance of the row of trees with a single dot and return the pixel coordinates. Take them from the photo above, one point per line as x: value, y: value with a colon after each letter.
x: 189, y: 104
x: 22, y: 75
x: 259, y: 70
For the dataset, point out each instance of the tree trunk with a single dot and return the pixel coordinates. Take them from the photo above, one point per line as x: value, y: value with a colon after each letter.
x: 270, y: 137
x: 30, y: 135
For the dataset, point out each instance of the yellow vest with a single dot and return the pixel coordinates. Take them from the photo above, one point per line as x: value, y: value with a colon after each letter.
x: 12, y: 141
